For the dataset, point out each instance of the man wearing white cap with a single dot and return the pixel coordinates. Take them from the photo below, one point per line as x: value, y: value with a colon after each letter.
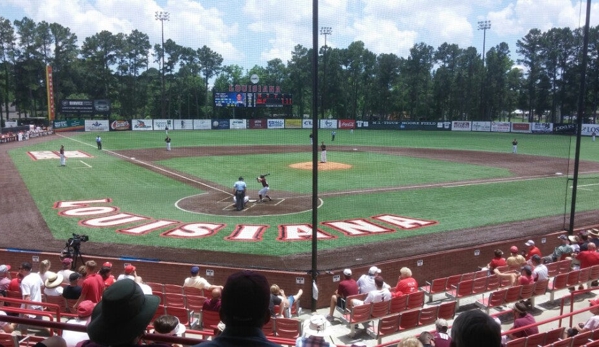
x: 4, y: 279
x: 366, y: 281
x: 532, y: 250
x: 345, y: 288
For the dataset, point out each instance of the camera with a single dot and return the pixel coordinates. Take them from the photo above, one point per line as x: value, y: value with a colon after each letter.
x: 76, y: 240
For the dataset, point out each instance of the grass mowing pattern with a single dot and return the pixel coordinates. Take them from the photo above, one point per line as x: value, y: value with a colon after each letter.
x: 138, y: 191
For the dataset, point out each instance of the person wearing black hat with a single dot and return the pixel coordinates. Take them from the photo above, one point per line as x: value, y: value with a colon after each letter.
x: 239, y: 192
x: 122, y: 316
x: 244, y: 310
x: 73, y: 290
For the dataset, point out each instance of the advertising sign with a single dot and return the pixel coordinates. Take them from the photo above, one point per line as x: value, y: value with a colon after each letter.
x: 221, y: 124
x: 258, y: 124
x: 362, y: 124
x: 97, y: 125
x: 419, y: 126
x: 293, y: 123
x: 307, y: 123
x: 566, y: 129
x: 501, y: 127
x: 275, y: 123
x: 120, y: 125
x: 346, y: 123
x: 100, y: 106
x: 521, y: 128
x: 542, y: 128
x: 481, y: 126
x: 162, y: 124
x: 202, y: 124
x: 461, y: 125
x: 328, y: 124
x: 238, y: 124
x: 141, y: 125
x: 69, y: 125
x: 589, y: 129
x: 50, y: 92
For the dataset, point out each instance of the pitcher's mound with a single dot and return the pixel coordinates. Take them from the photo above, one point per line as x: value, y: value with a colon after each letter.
x: 307, y: 165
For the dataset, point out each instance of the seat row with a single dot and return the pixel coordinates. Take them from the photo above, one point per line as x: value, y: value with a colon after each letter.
x: 553, y: 338
x: 408, y: 319
x: 396, y: 304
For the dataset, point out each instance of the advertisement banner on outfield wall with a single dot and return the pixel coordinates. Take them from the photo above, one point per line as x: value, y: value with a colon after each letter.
x: 293, y: 123
x: 69, y: 125
x: 589, y: 129
x: 419, y: 126
x: 566, y: 129
x: 202, y: 124
x: 541, y: 128
x: 238, y: 124
x: 11, y: 124
x: 120, y: 125
x: 346, y: 123
x: 461, y: 125
x: 183, y: 124
x: 162, y: 124
x: 221, y: 124
x: 258, y: 124
x: 275, y: 123
x: 97, y: 125
x: 501, y: 127
x: 307, y: 123
x: 141, y: 125
x: 362, y: 124
x: 384, y: 125
x: 328, y: 124
x: 481, y: 126
x: 521, y: 128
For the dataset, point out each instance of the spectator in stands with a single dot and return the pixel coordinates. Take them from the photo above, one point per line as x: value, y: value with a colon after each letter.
x: 15, y: 283
x: 540, y: 271
x: 197, y: 281
x: 532, y: 250
x: 522, y: 317
x: 4, y: 278
x: 574, y: 243
x: 170, y: 326
x: 66, y: 269
x: 244, y: 318
x: 105, y: 273
x: 562, y: 251
x: 525, y: 276
x: 144, y: 287
x: 84, y: 313
x: 583, y: 235
x: 214, y: 303
x: 82, y: 271
x: 31, y: 286
x: 475, y: 328
x: 515, y: 259
x: 410, y: 342
x: 497, y: 261
x: 122, y: 316
x: 588, y: 258
x: 92, y: 286
x: 441, y: 338
x: 44, y: 267
x: 345, y: 288
x: 380, y: 293
x: 129, y: 273
x: 406, y: 284
x: 591, y: 324
x: 426, y: 339
x: 366, y: 281
x: 73, y: 290
x: 53, y: 284
x: 314, y: 331
x: 278, y: 297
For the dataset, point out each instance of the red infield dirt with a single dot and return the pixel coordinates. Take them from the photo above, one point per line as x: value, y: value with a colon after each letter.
x: 24, y: 228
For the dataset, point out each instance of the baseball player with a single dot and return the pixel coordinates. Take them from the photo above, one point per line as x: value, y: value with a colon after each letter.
x: 323, y: 153
x: 265, y: 188
x: 168, y: 143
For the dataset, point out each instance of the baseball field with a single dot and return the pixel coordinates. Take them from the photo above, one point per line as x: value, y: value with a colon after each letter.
x: 382, y: 194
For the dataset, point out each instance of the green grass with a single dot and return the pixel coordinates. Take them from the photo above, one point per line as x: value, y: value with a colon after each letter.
x: 142, y: 192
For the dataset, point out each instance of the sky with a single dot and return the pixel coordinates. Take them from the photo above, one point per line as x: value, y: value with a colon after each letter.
x: 252, y: 32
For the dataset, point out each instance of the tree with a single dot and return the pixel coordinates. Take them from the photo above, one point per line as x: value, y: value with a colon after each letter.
x: 7, y: 53
x: 530, y: 48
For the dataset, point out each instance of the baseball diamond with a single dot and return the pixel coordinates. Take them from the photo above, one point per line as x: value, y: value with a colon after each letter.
x: 201, y: 219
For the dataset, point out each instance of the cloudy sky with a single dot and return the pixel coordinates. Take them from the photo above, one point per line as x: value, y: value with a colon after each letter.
x: 251, y: 32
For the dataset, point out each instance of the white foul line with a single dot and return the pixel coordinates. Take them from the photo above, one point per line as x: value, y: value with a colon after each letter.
x: 86, y: 164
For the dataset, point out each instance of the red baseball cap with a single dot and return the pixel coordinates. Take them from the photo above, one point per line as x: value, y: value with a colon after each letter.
x: 107, y: 264
x: 129, y: 269
x: 85, y: 308
x: 514, y: 249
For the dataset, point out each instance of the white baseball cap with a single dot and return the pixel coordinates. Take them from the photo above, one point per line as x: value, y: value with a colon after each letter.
x: 374, y: 270
x: 347, y: 272
x: 529, y: 243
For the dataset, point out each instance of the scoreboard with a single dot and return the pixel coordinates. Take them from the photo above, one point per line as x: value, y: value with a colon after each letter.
x: 238, y: 99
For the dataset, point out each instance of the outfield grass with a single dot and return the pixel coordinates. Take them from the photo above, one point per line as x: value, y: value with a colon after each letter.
x: 138, y: 191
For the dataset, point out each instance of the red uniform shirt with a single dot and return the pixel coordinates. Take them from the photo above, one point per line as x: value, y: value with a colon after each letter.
x: 92, y: 287
x: 406, y: 286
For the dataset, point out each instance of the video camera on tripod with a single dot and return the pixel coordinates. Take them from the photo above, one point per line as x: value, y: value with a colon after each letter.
x: 72, y: 249
x: 76, y: 240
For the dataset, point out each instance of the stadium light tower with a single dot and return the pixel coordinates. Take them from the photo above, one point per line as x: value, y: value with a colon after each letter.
x: 326, y: 31
x: 484, y: 26
x: 162, y: 16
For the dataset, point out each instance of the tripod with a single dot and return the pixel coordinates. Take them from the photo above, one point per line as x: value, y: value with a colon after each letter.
x: 74, y: 253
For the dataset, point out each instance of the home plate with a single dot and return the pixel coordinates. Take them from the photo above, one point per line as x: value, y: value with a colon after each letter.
x: 252, y: 200
x: 559, y: 173
x: 132, y: 158
x: 355, y: 149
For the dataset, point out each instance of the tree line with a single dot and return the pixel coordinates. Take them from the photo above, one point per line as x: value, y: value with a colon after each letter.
x: 446, y: 83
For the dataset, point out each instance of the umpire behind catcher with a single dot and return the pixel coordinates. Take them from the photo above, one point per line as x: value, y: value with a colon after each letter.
x: 239, y: 192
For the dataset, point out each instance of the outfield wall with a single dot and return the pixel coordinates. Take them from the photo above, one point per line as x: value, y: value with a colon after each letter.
x: 327, y: 124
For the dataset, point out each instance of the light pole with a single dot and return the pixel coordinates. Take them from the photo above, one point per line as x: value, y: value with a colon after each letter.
x: 483, y: 25
x: 162, y: 16
x: 326, y: 31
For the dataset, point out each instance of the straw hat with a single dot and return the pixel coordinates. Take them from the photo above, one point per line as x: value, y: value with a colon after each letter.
x: 316, y: 326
